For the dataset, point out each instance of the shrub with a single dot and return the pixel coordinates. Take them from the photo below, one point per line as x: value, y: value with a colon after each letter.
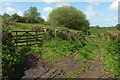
x: 112, y: 56
x: 50, y: 57
x: 35, y: 50
x: 11, y: 58
x: 25, y: 49
x: 88, y: 52
x: 69, y: 17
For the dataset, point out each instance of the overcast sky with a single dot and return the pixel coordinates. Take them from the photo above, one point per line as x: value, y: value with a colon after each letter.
x: 98, y: 13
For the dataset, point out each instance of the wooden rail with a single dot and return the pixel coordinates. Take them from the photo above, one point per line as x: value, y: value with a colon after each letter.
x: 26, y: 37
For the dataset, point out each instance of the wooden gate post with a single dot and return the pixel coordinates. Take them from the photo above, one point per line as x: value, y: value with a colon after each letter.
x: 16, y: 39
x: 27, y: 39
x: 36, y: 37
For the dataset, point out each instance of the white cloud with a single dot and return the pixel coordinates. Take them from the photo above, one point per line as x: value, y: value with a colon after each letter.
x: 51, y: 1
x: 20, y: 13
x: 60, y: 4
x: 9, y: 10
x: 1, y: 11
x: 113, y: 20
x: 46, y: 10
x: 7, y: 4
x: 43, y: 17
x: 114, y: 5
x: 96, y: 18
x: 90, y: 12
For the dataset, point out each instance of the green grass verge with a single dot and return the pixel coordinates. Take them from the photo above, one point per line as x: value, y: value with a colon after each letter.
x: 88, y: 52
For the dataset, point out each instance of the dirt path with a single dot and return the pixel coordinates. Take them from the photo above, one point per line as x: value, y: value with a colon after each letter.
x: 68, y: 65
x: 96, y: 70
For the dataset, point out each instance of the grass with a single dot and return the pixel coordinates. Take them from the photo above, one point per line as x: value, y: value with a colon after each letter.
x: 96, y: 32
x: 54, y: 47
x: 23, y: 26
x: 60, y: 46
x: 50, y: 57
x: 88, y: 52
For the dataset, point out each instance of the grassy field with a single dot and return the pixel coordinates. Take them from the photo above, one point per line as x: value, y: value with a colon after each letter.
x: 54, y: 48
x: 23, y: 26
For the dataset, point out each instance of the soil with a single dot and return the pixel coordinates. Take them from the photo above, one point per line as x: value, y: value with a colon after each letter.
x: 97, y: 70
x: 69, y: 64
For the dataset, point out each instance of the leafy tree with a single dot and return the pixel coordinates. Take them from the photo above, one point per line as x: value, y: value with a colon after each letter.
x: 70, y: 17
x: 47, y: 23
x: 16, y: 17
x: 97, y: 27
x: 5, y: 15
x: 117, y: 27
x: 11, y: 58
x: 33, y: 16
x: 91, y: 27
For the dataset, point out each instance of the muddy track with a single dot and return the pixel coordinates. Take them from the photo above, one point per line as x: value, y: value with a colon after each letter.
x: 59, y: 68
x: 68, y: 64
x: 97, y: 70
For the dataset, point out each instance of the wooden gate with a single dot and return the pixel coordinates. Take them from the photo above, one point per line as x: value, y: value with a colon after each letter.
x: 27, y: 38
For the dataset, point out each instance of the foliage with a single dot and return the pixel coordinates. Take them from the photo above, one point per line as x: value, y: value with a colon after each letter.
x: 35, y: 50
x: 70, y: 17
x: 117, y: 27
x: 97, y: 32
x: 60, y: 46
x: 6, y: 23
x: 11, y: 58
x: 30, y: 16
x: 25, y: 49
x: 47, y: 23
x: 5, y: 15
x: 33, y: 16
x: 10, y: 61
x: 88, y: 52
x: 18, y: 18
x: 23, y: 26
x: 109, y: 36
x: 97, y: 27
x: 50, y: 57
x: 112, y: 56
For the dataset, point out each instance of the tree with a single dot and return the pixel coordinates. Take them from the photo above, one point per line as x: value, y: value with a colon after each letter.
x: 70, y: 17
x: 97, y: 27
x: 5, y: 16
x: 16, y: 17
x: 32, y: 15
x: 117, y: 27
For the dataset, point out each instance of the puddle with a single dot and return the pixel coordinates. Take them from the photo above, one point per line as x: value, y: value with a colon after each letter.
x: 34, y: 72
x: 39, y: 67
x: 100, y: 51
x: 96, y: 66
x: 73, y: 65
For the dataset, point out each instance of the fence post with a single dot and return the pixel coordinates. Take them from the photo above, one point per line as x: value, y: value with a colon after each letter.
x: 16, y: 39
x: 27, y: 39
x: 36, y: 37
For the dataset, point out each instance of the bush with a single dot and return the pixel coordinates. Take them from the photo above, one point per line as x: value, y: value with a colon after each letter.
x: 25, y: 49
x: 50, y: 57
x: 11, y: 58
x: 60, y: 46
x: 69, y: 17
x: 88, y: 52
x: 117, y: 27
x: 112, y: 56
x: 35, y: 50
